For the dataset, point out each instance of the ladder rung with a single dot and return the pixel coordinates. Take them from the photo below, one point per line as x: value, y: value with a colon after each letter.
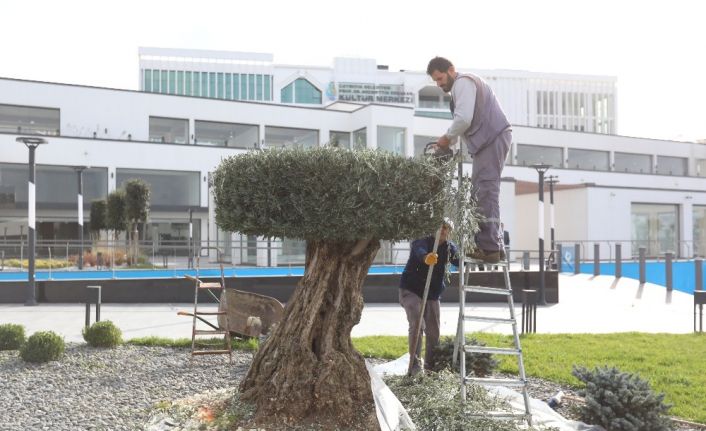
x: 210, y: 352
x: 484, y: 263
x: 490, y: 290
x: 492, y: 350
x: 209, y: 331
x: 210, y: 286
x: 497, y: 382
x: 489, y: 319
x: 210, y: 313
x: 500, y: 415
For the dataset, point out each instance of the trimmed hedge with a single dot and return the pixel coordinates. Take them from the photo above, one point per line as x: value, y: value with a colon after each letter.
x: 43, y: 346
x: 12, y: 336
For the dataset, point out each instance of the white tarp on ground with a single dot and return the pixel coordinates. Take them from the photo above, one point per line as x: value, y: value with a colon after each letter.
x: 389, y: 408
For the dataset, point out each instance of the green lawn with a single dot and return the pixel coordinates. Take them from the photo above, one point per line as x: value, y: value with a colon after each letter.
x: 673, y: 364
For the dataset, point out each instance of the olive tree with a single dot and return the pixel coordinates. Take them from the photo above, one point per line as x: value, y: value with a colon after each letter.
x: 343, y: 203
x: 137, y: 207
x: 115, y: 212
x: 97, y: 221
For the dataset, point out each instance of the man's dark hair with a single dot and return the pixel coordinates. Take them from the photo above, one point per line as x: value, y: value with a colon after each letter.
x: 438, y: 63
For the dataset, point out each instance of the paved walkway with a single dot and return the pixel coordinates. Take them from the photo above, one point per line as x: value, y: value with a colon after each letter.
x: 587, y: 304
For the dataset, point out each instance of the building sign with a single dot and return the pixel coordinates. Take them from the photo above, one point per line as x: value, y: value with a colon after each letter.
x: 374, y: 93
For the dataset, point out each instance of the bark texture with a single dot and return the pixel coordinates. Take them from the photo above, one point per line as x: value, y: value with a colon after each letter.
x: 307, y: 371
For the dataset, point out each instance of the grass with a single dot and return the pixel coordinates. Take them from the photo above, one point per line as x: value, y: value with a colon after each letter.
x: 673, y: 364
x: 247, y: 344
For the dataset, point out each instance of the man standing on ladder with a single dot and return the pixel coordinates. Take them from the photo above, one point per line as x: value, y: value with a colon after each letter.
x: 481, y: 124
x: 412, y: 283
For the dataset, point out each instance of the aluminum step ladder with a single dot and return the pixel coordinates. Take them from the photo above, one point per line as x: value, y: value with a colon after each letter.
x: 461, y: 348
x: 198, y: 316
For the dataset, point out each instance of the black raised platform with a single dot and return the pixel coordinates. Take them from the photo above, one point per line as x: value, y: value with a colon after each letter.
x: 377, y: 288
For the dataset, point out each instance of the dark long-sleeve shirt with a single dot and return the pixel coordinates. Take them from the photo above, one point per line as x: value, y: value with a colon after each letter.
x: 414, y: 276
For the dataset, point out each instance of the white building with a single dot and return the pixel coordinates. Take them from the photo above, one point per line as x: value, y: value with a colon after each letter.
x: 624, y: 189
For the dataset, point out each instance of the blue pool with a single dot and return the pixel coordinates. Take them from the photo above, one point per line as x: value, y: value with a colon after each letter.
x: 126, y: 274
x: 683, y: 272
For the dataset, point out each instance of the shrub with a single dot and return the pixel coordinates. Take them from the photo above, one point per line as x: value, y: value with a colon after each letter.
x: 43, y: 346
x: 11, y: 336
x: 103, y: 334
x: 480, y: 364
x: 621, y: 401
x: 38, y: 263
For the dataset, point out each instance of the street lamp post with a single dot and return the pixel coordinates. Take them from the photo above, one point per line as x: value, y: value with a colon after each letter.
x: 541, y: 169
x: 552, y: 179
x: 190, y: 259
x: 32, y: 144
x: 79, y: 172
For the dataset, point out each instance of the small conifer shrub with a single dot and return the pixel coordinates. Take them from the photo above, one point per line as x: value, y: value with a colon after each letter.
x: 621, y: 401
x: 103, y: 334
x: 11, y: 336
x: 480, y: 364
x: 43, y: 346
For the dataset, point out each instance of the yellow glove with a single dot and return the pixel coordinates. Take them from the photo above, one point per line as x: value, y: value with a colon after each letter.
x: 431, y: 259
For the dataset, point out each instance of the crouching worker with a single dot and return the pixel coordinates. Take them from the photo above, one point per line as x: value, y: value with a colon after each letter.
x: 412, y: 284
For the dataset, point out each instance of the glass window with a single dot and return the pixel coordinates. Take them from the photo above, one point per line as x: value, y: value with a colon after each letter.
x: 172, y: 82
x: 636, y: 163
x: 55, y: 185
x: 187, y: 84
x: 391, y: 139
x: 420, y: 142
x: 236, y: 87
x: 588, y: 159
x: 293, y: 252
x: 164, y: 82
x: 537, y: 154
x: 221, y: 91
x: 287, y: 94
x: 212, y: 84
x: 699, y: 230
x: 360, y: 139
x: 251, y: 86
x: 204, y: 84
x: 172, y: 130
x: 147, y: 80
x: 306, y: 92
x: 155, y: 81
x: 243, y: 86
x: 197, y: 84
x: 290, y: 138
x: 655, y: 227
x: 340, y: 140
x: 226, y: 134
x: 268, y: 87
x: 171, y: 237
x: 29, y: 120
x: 229, y: 86
x: 671, y: 165
x: 259, y: 87
x: 167, y: 188
x: 180, y: 82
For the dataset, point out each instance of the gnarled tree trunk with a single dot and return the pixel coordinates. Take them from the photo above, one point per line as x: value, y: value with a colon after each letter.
x: 307, y: 370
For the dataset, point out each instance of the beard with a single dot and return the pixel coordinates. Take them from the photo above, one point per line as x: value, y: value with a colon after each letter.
x: 449, y: 83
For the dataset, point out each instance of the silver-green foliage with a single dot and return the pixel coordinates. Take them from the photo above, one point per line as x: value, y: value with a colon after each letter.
x: 433, y: 401
x: 330, y: 194
x: 43, y: 346
x: 480, y: 364
x: 621, y: 401
x: 103, y: 334
x: 12, y: 336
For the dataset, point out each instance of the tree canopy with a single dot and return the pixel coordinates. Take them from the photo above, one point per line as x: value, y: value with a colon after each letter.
x: 330, y: 194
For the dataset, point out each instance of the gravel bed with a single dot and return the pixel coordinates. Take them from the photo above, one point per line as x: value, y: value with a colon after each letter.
x: 117, y: 389
x: 106, y: 389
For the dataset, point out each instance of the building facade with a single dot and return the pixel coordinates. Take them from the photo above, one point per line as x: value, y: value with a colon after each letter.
x: 641, y: 191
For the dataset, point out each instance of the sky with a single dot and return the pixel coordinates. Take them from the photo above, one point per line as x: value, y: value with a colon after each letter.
x: 656, y: 49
